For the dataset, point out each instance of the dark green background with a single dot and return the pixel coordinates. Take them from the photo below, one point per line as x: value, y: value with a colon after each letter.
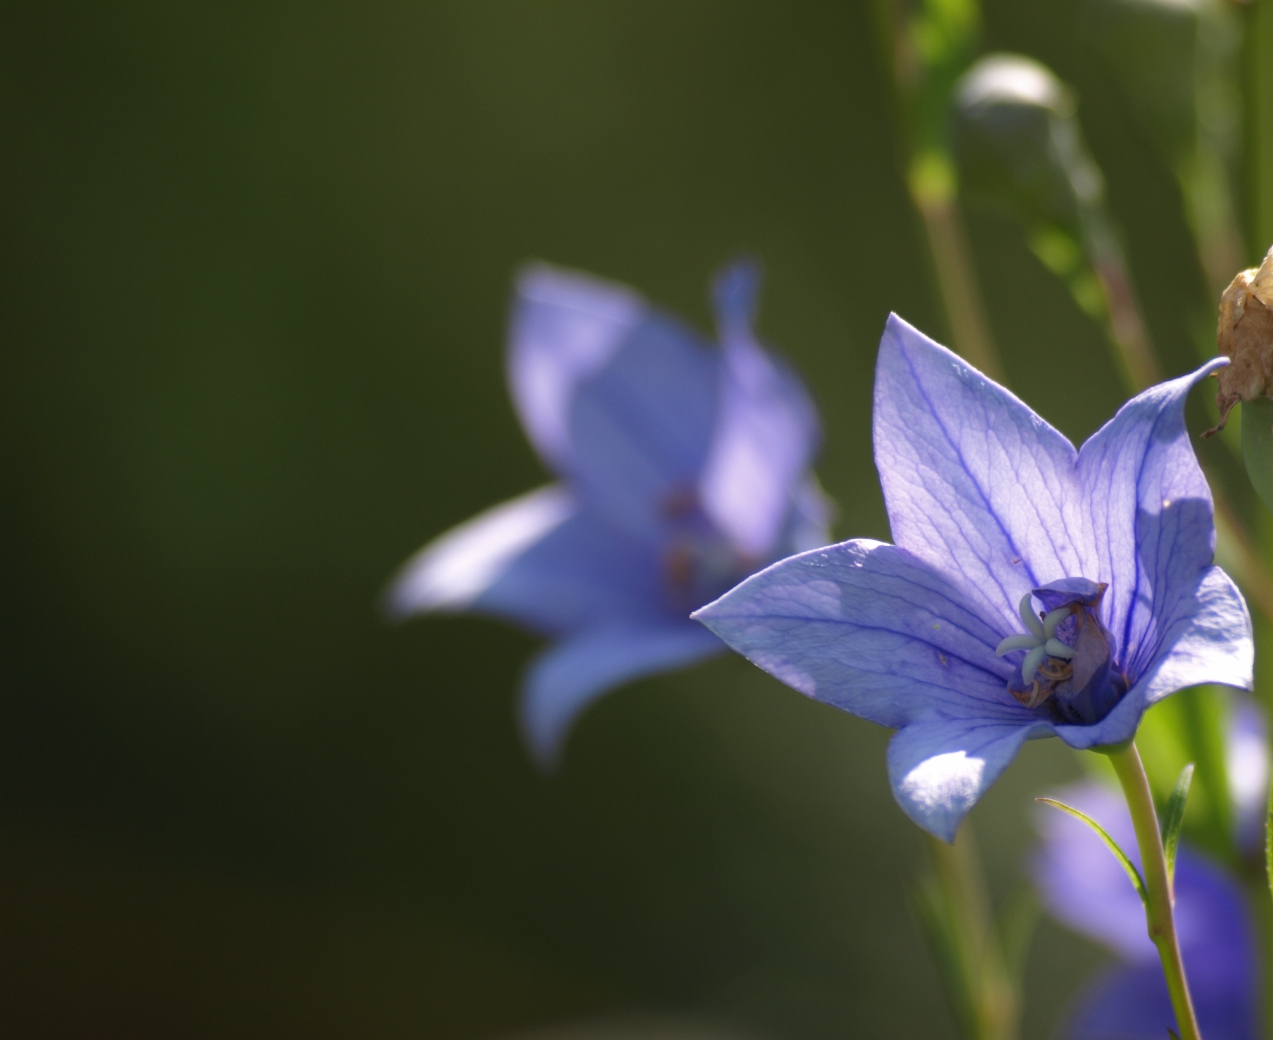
x: 256, y: 260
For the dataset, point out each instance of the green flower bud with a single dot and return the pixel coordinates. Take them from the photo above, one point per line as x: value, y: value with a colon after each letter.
x: 1017, y: 141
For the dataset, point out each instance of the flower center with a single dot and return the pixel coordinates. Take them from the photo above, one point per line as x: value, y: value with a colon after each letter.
x: 1069, y: 655
x: 699, y: 563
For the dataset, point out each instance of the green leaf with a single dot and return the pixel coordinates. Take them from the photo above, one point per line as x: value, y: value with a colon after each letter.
x: 1111, y: 844
x: 1175, y: 818
x: 1257, y: 446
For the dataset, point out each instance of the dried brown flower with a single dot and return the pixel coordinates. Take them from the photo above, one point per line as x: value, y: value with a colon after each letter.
x: 1245, y: 334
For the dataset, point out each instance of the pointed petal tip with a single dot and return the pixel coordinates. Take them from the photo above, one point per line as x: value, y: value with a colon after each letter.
x: 543, y: 730
x: 735, y: 293
x: 903, y: 337
x: 545, y: 752
x: 897, y: 331
x: 898, y: 327
x: 539, y: 279
x: 390, y: 606
x: 745, y: 269
x: 939, y: 767
x: 453, y: 570
x: 895, y: 322
x: 705, y: 614
x: 568, y: 676
x: 709, y: 616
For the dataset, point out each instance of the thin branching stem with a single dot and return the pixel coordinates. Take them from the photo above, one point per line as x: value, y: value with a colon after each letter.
x: 1159, y: 912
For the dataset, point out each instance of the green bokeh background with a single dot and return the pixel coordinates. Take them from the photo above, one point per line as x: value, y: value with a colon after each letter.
x: 256, y: 261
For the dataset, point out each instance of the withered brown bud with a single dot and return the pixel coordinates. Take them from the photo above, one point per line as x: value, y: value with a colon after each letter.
x: 1245, y: 335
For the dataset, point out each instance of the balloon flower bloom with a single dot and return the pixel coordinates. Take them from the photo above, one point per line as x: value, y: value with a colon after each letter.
x: 682, y: 467
x: 1084, y: 887
x: 1033, y: 590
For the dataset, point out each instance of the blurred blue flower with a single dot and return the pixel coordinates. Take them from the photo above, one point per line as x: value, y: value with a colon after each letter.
x: 1084, y: 887
x: 1102, y: 556
x: 683, y: 468
x: 1246, y: 766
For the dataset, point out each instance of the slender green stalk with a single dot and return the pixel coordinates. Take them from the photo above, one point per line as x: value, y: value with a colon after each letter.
x: 1159, y: 914
x: 1127, y: 332
x: 933, y: 192
x: 961, y: 929
x: 922, y: 77
x: 1206, y: 171
x: 1259, y: 97
x: 952, y: 905
x: 1268, y: 843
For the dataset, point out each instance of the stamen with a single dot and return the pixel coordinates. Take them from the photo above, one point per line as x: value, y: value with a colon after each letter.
x: 1054, y: 618
x: 1055, y: 648
x: 1032, y: 661
x: 1021, y: 642
x: 1029, y: 618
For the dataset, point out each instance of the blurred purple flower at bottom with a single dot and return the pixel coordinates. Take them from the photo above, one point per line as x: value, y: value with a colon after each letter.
x: 1084, y: 887
x: 682, y: 469
x: 1247, y: 767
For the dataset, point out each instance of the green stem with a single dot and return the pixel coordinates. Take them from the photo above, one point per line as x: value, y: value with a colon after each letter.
x: 1159, y: 915
x: 1259, y: 97
x: 932, y: 189
x: 1268, y: 843
x: 1127, y: 331
x: 968, y: 948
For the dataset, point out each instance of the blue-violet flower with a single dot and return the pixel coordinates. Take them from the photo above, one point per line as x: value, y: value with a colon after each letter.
x: 1246, y: 767
x: 1033, y: 590
x: 1084, y: 887
x: 683, y: 468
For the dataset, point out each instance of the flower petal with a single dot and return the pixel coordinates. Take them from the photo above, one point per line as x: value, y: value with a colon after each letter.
x: 539, y: 560
x: 871, y: 629
x: 454, y: 569
x: 767, y: 430
x: 569, y: 675
x: 939, y: 766
x: 1132, y: 1003
x: 1203, y: 635
x: 1151, y: 513
x: 1204, y: 638
x: 975, y: 482
x: 564, y: 326
x: 641, y: 426
x: 1128, y: 1002
x: 808, y: 523
x: 1246, y: 763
